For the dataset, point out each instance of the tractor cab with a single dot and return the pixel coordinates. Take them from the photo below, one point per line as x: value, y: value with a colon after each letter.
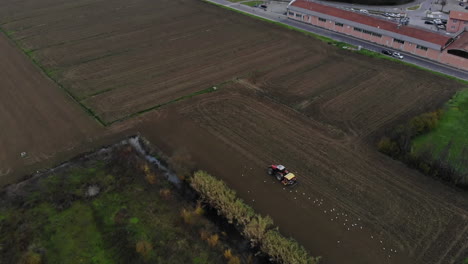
x: 279, y: 168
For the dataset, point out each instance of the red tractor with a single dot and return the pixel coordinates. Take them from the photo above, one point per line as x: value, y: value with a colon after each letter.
x: 282, y: 174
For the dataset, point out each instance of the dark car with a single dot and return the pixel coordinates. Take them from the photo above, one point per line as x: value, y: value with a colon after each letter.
x: 387, y: 52
x: 461, y: 4
x: 429, y: 22
x: 466, y: 7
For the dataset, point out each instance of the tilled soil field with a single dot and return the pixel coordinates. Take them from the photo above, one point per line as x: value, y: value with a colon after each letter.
x: 353, y: 204
x: 36, y: 117
x: 282, y: 98
x: 145, y: 53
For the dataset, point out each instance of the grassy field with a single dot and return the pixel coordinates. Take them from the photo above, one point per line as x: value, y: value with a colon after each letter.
x: 451, y: 129
x: 137, y: 217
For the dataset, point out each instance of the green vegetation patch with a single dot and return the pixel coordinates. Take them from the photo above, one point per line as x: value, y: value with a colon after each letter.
x: 452, y: 131
x: 253, y: 3
x: 416, y: 7
x: 75, y: 237
x: 435, y: 143
x: 118, y: 210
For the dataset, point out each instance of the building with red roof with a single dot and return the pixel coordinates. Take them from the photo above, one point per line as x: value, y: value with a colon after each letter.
x: 458, y: 21
x: 457, y: 52
x: 410, y: 39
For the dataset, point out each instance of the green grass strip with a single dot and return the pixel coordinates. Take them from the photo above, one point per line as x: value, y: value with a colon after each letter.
x: 252, y: 3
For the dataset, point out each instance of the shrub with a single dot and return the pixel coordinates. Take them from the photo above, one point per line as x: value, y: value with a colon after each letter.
x: 256, y: 229
x: 223, y: 199
x: 144, y: 248
x: 234, y: 260
x: 204, y: 234
x: 187, y: 216
x: 424, y: 167
x: 199, y: 209
x: 285, y: 250
x: 389, y: 147
x: 424, y: 123
x: 230, y: 257
x: 30, y: 258
x: 213, y: 240
x: 227, y: 254
x: 165, y: 193
x: 150, y: 178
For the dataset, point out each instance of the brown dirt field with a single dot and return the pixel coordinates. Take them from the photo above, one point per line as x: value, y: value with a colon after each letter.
x: 234, y: 133
x: 142, y: 56
x: 286, y: 98
x: 36, y: 116
x: 356, y: 96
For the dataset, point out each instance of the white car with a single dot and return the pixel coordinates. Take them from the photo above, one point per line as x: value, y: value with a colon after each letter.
x: 397, y: 55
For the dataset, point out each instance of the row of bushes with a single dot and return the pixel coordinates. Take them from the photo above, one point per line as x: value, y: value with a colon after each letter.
x: 398, y: 142
x: 258, y: 229
x: 398, y: 145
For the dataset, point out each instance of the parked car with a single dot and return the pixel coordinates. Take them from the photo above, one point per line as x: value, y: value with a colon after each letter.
x: 363, y: 11
x: 466, y: 7
x: 397, y: 55
x: 429, y: 22
x: 263, y: 6
x: 461, y: 4
x: 387, y: 52
x: 437, y: 21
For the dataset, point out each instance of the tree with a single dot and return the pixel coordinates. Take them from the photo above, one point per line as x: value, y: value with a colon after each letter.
x: 442, y: 4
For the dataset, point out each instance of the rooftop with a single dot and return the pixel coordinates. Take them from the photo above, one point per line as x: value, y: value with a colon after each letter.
x: 409, y: 31
x: 461, y: 43
x: 459, y: 15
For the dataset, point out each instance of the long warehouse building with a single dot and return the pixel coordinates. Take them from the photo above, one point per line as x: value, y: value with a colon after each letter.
x: 442, y: 48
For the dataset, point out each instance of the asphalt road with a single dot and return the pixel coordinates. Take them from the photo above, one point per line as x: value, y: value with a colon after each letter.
x: 408, y: 57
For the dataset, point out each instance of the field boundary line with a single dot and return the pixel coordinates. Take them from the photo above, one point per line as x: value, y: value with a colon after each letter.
x: 149, y: 109
x: 47, y: 73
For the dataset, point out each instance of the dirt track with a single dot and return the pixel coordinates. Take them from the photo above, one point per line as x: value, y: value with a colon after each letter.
x: 288, y: 99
